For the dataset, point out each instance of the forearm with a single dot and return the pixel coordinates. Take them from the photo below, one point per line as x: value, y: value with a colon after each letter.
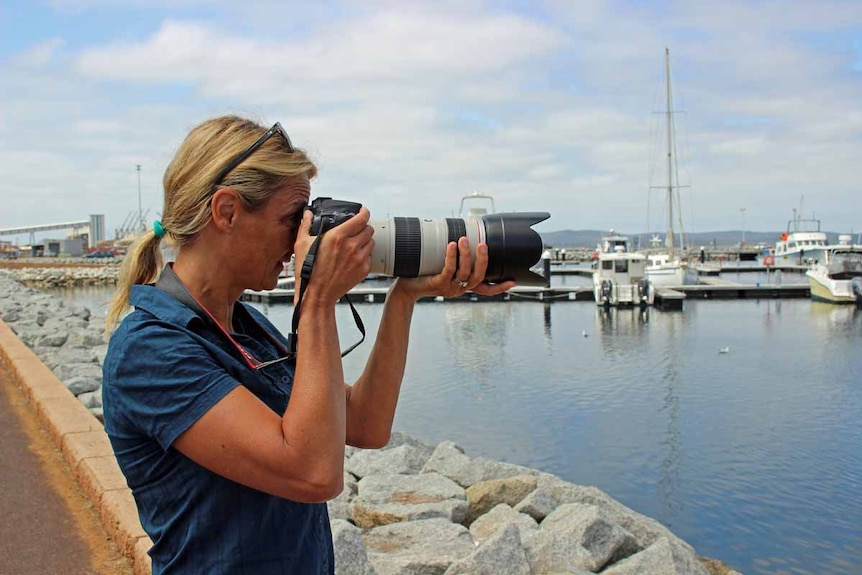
x: 373, y: 398
x: 314, y: 423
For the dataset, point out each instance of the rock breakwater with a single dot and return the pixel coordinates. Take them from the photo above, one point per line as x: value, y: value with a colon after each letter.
x: 413, y: 508
x: 62, y: 273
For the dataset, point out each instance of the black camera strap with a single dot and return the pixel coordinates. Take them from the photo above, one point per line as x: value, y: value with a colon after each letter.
x: 305, y: 275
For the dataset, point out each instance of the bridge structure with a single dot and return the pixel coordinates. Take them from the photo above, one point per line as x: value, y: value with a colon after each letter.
x: 94, y: 228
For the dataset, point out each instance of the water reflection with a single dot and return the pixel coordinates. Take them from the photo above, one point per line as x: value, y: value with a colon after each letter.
x: 671, y: 463
x: 477, y: 335
x: 648, y: 347
x: 621, y: 321
x: 770, y: 316
x: 835, y: 319
x: 546, y: 316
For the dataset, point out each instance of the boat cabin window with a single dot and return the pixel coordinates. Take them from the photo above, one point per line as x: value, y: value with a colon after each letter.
x: 607, y: 265
x: 621, y: 266
x: 615, y: 245
x: 845, y: 266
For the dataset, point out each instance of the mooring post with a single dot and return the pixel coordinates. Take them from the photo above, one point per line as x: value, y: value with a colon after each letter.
x: 546, y: 267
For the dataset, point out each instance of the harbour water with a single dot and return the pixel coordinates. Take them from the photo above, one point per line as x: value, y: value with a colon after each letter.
x: 735, y: 423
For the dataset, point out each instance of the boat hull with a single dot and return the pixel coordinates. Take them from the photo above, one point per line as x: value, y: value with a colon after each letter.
x: 610, y: 293
x: 666, y: 275
x: 831, y: 291
x: 797, y: 257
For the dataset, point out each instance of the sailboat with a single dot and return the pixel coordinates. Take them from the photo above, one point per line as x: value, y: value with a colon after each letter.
x: 664, y: 267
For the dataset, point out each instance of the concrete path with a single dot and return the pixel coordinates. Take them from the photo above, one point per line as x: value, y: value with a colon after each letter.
x: 47, y: 525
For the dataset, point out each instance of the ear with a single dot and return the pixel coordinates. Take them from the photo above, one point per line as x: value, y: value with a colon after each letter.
x: 225, y: 206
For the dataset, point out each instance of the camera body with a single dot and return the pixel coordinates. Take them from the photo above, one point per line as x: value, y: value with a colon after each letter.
x: 329, y: 213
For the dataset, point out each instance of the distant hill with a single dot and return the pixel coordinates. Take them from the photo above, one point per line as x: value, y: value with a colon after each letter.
x: 573, y: 238
x: 591, y: 238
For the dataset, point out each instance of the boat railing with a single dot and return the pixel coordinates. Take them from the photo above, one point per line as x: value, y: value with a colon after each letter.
x: 802, y: 225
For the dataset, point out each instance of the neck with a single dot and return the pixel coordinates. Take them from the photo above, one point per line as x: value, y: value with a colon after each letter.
x: 206, y: 281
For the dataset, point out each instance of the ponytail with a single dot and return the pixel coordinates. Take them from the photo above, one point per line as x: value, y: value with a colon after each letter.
x: 142, y: 265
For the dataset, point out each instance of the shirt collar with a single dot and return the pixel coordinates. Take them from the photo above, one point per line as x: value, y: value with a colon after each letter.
x: 169, y: 300
x: 161, y: 305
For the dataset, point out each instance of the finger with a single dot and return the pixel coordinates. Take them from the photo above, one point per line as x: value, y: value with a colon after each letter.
x: 305, y: 224
x: 481, y: 265
x: 465, y: 261
x: 493, y: 289
x: 367, y: 234
x: 451, y: 261
x: 357, y: 223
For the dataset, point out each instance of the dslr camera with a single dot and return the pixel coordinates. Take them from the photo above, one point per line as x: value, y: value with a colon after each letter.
x: 411, y: 247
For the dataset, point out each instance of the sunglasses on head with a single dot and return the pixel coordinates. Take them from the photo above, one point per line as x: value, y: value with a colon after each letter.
x: 276, y: 129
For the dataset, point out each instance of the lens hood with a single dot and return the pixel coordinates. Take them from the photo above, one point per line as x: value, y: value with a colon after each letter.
x: 514, y: 247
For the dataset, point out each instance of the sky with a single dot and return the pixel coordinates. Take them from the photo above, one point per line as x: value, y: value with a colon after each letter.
x: 406, y: 107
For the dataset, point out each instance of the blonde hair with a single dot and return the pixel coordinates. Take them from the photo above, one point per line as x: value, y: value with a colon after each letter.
x: 189, y: 186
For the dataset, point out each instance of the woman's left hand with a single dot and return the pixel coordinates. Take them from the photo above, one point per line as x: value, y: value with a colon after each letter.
x: 458, y: 276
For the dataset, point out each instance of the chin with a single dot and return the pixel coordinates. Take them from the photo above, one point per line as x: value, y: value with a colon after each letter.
x: 272, y: 281
x: 269, y: 284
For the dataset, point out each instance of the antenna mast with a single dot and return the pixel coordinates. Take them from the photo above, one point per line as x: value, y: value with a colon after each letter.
x: 670, y: 239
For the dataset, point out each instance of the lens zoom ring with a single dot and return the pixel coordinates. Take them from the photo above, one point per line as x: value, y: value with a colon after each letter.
x: 408, y: 247
x: 457, y: 229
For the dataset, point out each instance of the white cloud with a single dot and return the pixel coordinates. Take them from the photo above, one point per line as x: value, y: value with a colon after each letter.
x: 408, y: 106
x: 409, y: 50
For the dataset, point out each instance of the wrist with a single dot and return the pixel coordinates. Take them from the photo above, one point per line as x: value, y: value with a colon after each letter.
x: 315, y: 298
x: 400, y: 292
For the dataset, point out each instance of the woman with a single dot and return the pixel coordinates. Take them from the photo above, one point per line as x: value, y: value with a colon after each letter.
x: 229, y: 450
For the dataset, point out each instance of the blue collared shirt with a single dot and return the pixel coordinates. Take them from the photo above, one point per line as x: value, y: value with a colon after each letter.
x: 164, y: 369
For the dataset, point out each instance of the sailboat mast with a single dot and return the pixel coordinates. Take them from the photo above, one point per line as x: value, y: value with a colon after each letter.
x: 670, y: 239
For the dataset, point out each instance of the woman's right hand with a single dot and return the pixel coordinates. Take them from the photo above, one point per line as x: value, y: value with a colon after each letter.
x: 343, y: 258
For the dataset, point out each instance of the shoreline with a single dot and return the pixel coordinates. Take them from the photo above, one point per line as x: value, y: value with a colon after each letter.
x: 473, y: 509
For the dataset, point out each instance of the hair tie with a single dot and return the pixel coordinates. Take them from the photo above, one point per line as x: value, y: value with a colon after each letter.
x: 158, y: 230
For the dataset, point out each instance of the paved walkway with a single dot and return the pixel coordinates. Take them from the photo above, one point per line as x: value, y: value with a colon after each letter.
x: 47, y: 525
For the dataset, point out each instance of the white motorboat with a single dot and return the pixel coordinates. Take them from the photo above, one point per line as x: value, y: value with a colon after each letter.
x: 802, y: 244
x: 837, y: 276
x: 620, y: 276
x: 664, y: 267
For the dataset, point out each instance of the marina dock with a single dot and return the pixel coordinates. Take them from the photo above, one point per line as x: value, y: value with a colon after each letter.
x: 710, y: 269
x: 361, y: 294
x: 709, y: 286
x: 666, y: 298
x: 732, y: 290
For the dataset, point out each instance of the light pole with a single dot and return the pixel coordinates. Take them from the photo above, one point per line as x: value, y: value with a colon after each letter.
x: 140, y: 211
x: 742, y: 210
